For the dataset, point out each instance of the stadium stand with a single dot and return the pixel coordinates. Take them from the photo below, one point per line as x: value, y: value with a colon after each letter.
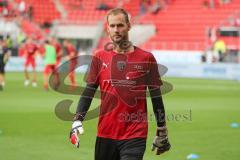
x: 183, y: 25
x: 30, y: 28
x: 84, y: 12
x: 42, y: 11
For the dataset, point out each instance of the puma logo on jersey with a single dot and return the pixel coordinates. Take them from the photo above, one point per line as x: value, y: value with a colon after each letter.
x: 105, y: 65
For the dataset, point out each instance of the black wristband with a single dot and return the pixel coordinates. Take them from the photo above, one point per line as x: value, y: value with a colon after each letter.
x: 78, y: 117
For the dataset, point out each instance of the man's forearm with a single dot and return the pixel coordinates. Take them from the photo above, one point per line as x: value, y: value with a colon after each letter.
x: 85, y: 102
x: 158, y: 106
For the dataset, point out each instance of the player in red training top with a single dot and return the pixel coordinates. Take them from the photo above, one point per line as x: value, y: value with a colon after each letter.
x: 58, y: 49
x: 124, y: 72
x: 59, y: 53
x: 71, y: 56
x: 30, y: 50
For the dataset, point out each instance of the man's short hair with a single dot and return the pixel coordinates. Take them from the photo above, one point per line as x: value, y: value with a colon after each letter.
x: 117, y: 11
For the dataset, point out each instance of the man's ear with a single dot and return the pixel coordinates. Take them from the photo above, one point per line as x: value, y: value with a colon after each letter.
x: 107, y: 28
x: 129, y: 26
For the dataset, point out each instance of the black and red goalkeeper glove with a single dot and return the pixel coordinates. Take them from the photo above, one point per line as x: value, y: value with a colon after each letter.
x: 160, y: 141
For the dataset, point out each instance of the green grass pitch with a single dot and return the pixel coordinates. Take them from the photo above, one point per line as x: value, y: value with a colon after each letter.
x: 30, y: 130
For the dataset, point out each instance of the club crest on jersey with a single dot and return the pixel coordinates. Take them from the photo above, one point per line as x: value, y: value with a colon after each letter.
x: 121, y: 65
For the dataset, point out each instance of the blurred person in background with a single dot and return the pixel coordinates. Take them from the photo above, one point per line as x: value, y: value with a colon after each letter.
x: 30, y: 50
x: 71, y: 54
x: 21, y: 38
x: 144, y: 6
x: 4, y: 56
x: 22, y: 7
x: 58, y: 49
x: 224, y: 1
x: 59, y: 54
x: 50, y: 59
x: 219, y: 50
x: 9, y: 41
x: 157, y: 6
x: 102, y: 5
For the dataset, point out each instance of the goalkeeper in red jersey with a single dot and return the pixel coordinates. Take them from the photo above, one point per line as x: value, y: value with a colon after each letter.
x: 123, y: 72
